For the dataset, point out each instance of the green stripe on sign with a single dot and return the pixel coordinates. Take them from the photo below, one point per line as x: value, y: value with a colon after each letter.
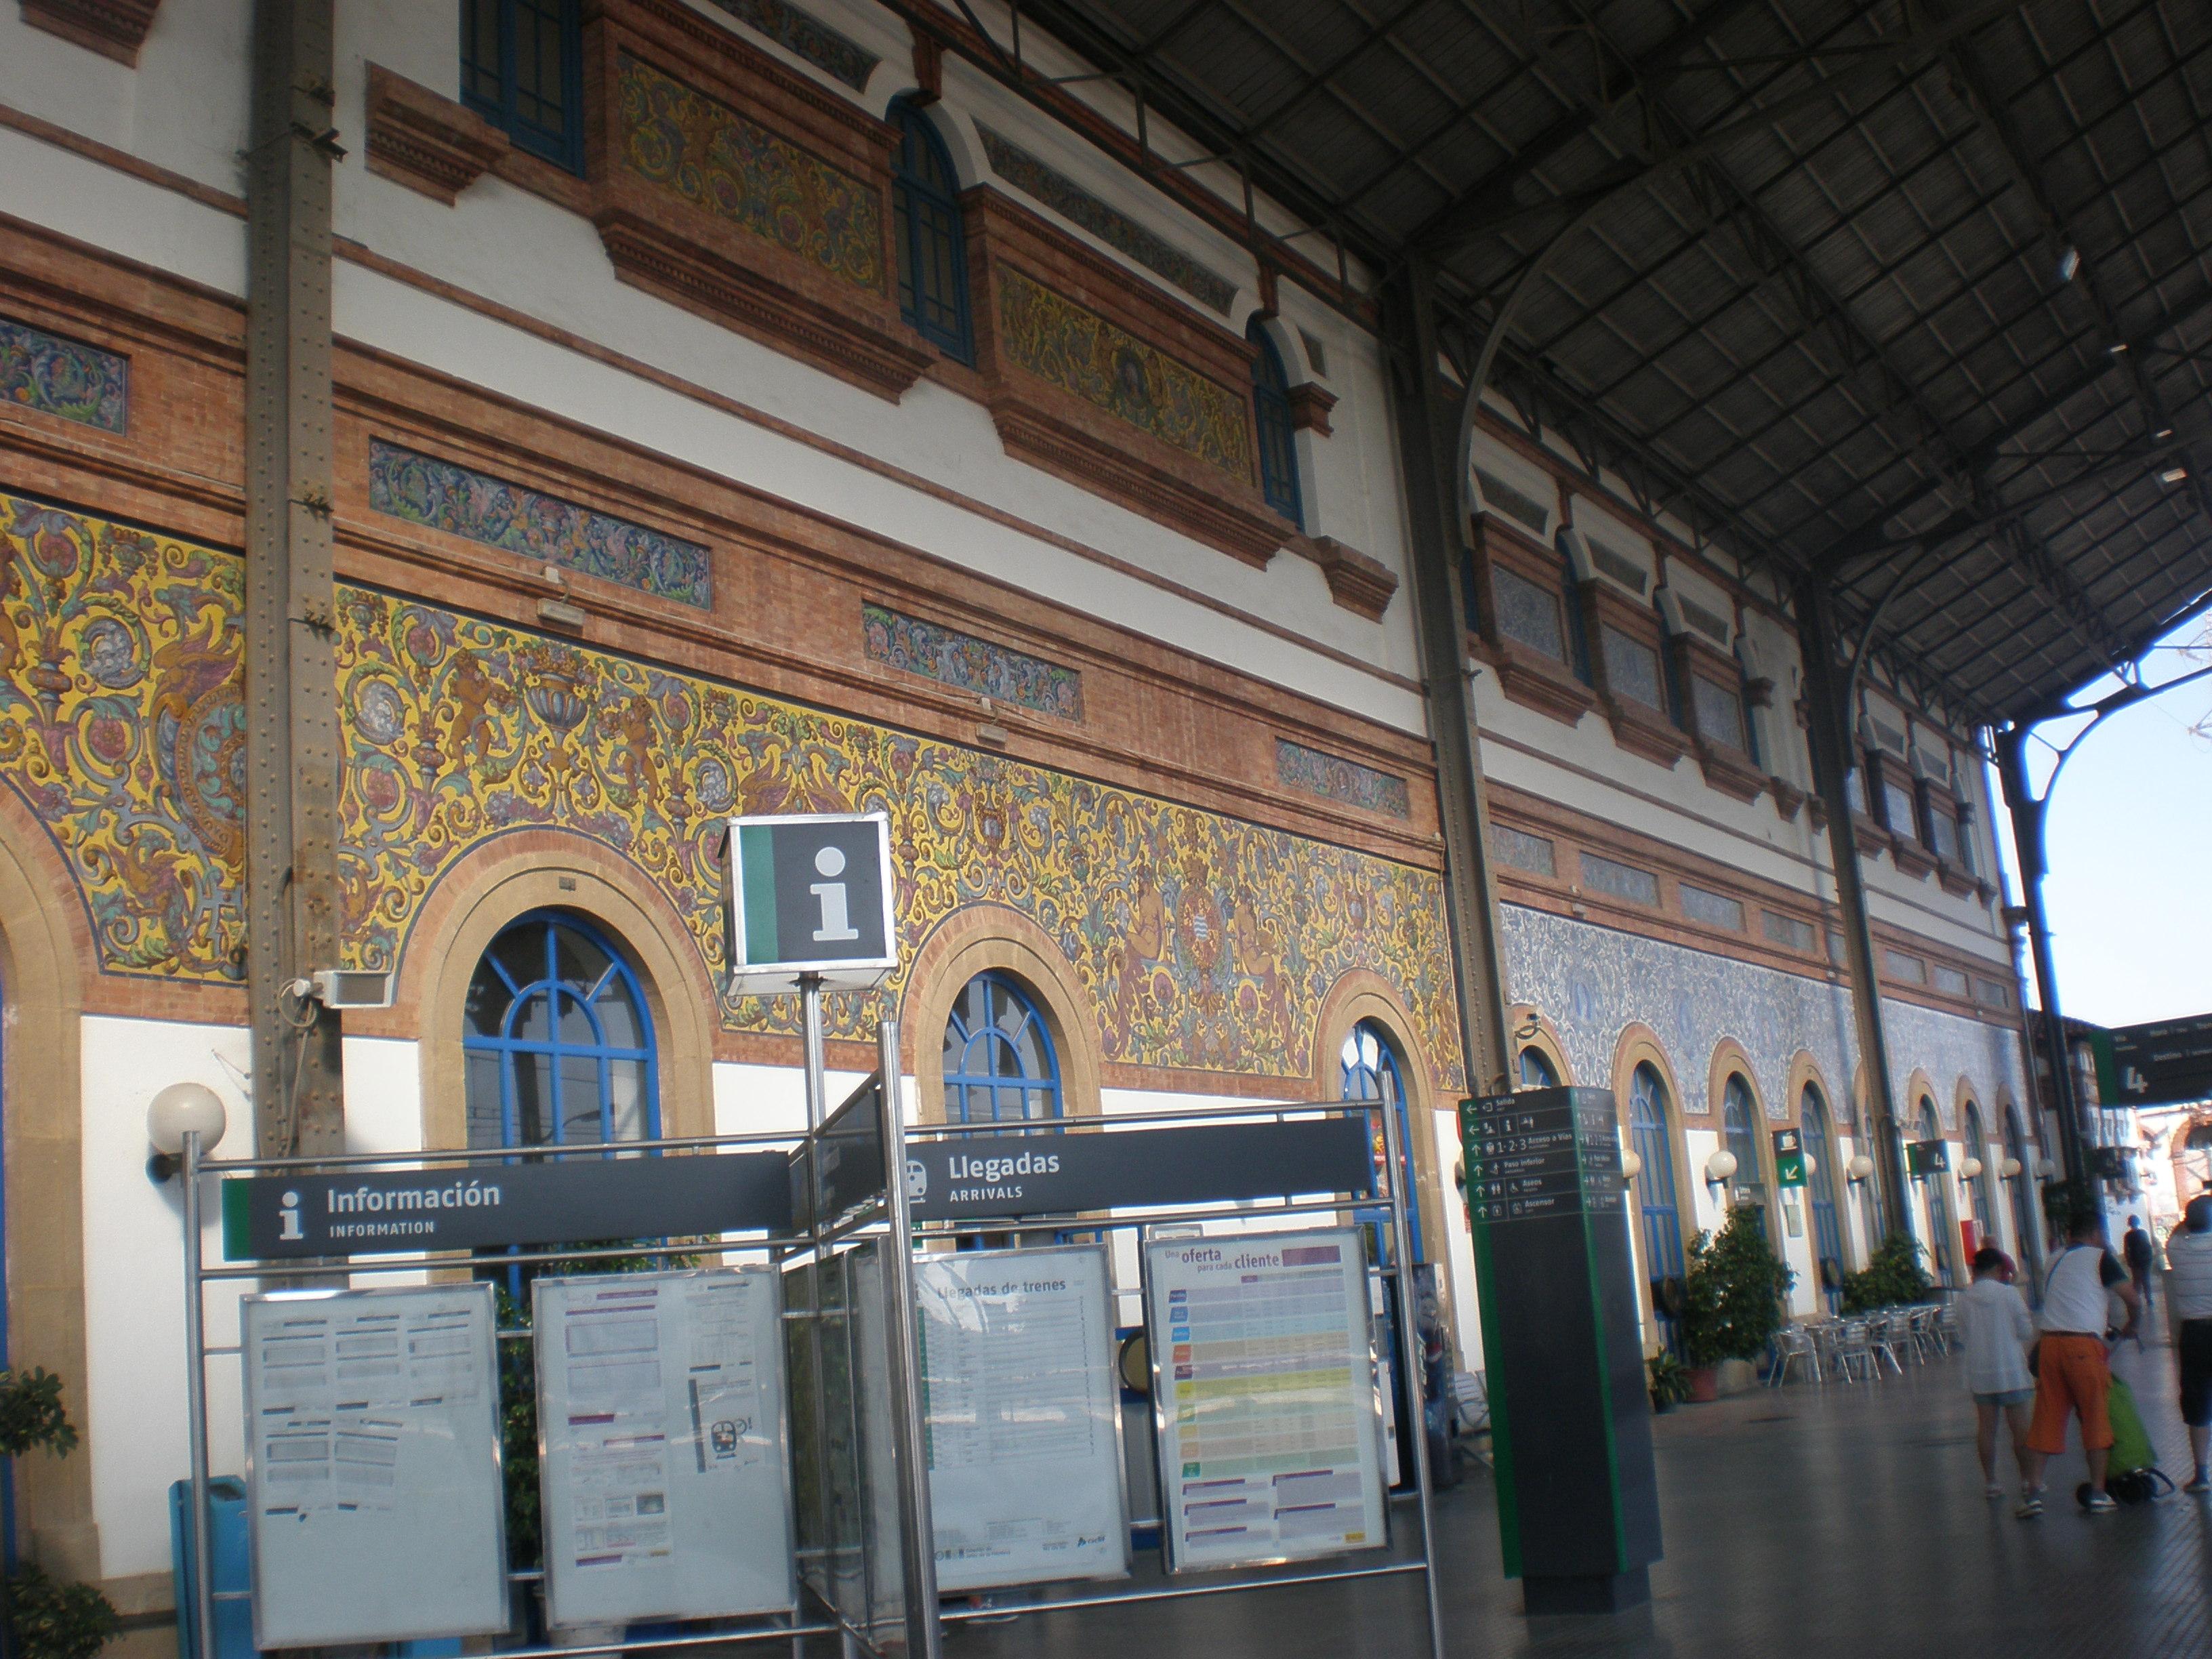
x: 756, y: 878
x: 236, y: 1246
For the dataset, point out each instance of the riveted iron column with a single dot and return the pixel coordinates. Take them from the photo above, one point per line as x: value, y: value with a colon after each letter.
x: 1437, y: 539
x: 2029, y: 814
x: 291, y: 692
x: 1829, y: 738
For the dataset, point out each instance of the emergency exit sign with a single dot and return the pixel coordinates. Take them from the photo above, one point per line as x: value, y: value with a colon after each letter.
x: 805, y: 896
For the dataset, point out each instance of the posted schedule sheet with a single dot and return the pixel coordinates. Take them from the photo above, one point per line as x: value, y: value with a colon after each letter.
x: 1020, y: 1404
x: 660, y: 1407
x: 372, y: 1435
x: 1269, y: 1427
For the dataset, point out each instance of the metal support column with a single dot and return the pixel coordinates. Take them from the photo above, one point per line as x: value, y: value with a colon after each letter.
x: 291, y: 686
x: 1829, y: 719
x: 2029, y: 819
x: 1436, y: 538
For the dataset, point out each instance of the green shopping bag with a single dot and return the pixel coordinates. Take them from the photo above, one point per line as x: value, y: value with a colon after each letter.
x: 2132, y: 1448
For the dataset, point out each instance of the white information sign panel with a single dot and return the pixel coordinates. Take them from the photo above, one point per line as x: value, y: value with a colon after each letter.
x: 372, y: 1431
x: 1023, y: 1412
x: 666, y: 1470
x: 1265, y: 1399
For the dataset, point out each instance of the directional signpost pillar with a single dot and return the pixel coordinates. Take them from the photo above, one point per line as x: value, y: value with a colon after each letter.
x: 1570, y: 1412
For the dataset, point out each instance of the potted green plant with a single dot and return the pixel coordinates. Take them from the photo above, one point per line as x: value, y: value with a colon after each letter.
x: 1669, y: 1381
x: 1893, y: 1277
x: 1733, y: 1299
x: 46, y: 1618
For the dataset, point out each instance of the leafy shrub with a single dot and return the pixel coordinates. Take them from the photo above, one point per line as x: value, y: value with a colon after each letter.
x: 1669, y: 1380
x: 1733, y: 1295
x: 1892, y: 1277
x: 49, y: 1620
x: 31, y: 1414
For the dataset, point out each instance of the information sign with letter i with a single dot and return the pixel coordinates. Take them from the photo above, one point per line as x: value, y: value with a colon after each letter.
x: 808, y: 897
x: 1570, y: 1411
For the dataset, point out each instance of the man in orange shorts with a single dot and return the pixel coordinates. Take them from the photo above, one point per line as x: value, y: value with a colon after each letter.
x: 2071, y: 1376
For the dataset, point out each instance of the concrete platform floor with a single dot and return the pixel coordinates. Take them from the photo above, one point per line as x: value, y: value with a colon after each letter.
x: 1799, y: 1522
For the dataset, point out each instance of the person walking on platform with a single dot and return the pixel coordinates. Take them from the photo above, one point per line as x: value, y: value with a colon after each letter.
x: 2188, y: 1316
x: 1998, y: 1330
x: 2138, y: 1252
x: 2072, y: 1377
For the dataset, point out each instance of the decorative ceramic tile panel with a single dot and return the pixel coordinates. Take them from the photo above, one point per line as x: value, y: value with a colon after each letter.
x: 1622, y: 881
x: 1527, y: 614
x: 1516, y: 504
x: 1046, y: 184
x: 808, y: 37
x: 1718, y: 711
x: 1297, y: 767
x: 997, y: 672
x: 707, y: 154
x: 1592, y: 982
x: 123, y: 729
x: 1792, y: 930
x: 1079, y: 351
x: 1202, y: 942
x: 1714, y: 909
x: 446, y: 496
x: 1631, y: 668
x: 63, y: 377
x: 1518, y: 850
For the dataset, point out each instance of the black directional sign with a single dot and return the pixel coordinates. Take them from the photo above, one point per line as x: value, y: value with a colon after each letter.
x: 2164, y: 1064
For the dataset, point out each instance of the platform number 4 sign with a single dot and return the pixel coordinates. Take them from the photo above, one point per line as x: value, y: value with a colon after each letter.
x: 808, y: 895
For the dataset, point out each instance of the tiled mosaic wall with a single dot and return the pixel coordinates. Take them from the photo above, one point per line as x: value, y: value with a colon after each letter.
x: 63, y: 377
x: 802, y: 33
x: 914, y: 645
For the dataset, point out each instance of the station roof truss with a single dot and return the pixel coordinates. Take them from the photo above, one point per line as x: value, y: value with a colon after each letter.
x: 1916, y: 296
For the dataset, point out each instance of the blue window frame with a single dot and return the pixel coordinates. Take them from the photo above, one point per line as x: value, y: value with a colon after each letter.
x: 1658, y: 1205
x: 522, y: 68
x: 557, y: 1040
x: 928, y: 239
x: 1370, y: 1072
x: 1739, y: 1129
x: 1821, y: 1182
x: 999, y: 1066
x: 1537, y: 1071
x: 1977, y: 1189
x: 1271, y: 417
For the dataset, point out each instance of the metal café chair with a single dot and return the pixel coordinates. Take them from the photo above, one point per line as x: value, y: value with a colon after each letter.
x: 1793, y: 1344
x: 1855, y: 1356
x: 1883, y: 1337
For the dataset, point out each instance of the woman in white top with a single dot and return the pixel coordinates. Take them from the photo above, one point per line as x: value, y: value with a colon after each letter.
x: 1994, y: 1318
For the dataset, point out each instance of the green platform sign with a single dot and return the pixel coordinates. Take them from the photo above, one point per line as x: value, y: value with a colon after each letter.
x: 1789, y: 1158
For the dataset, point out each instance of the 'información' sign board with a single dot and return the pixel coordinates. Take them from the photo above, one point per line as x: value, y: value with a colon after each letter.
x: 806, y: 895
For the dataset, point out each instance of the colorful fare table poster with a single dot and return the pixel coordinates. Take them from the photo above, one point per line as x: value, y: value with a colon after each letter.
x: 1022, y: 1411
x: 372, y: 1437
x: 1269, y: 1417
x: 666, y: 1478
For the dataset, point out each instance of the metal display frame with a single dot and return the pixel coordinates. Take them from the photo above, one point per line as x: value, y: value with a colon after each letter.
x: 883, y: 1214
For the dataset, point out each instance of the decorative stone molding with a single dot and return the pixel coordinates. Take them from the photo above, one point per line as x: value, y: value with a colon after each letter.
x: 1787, y: 797
x: 425, y: 141
x: 1956, y: 882
x: 1310, y: 408
x: 1115, y: 385
x: 813, y: 277
x: 1357, y: 581
x: 113, y: 28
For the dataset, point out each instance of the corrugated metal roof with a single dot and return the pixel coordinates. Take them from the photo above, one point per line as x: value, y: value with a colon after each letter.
x: 1837, y: 326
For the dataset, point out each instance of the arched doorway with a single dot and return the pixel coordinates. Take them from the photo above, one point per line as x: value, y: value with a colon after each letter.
x: 1370, y: 1072
x: 1979, y: 1203
x: 1739, y: 1134
x: 1821, y: 1194
x: 1935, y: 1200
x: 1658, y: 1203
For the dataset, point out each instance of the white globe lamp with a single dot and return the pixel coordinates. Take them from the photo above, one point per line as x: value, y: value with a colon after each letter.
x: 180, y: 1109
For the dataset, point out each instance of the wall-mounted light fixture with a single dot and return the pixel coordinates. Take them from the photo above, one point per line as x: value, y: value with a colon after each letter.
x: 1718, y: 1168
x: 2010, y: 1168
x: 180, y: 1109
x: 1970, y: 1169
x: 1861, y: 1168
x: 2047, y: 1170
x: 1632, y: 1165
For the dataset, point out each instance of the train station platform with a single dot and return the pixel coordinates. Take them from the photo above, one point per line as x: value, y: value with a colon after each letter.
x: 1800, y: 1522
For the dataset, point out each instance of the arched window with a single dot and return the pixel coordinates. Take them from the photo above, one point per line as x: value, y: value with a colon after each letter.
x: 557, y: 1040
x: 522, y: 68
x: 1977, y: 1189
x: 2025, y: 1238
x: 999, y: 1066
x: 1740, y: 1131
x: 1537, y: 1071
x: 1369, y: 1071
x: 931, y: 248
x: 1820, y: 1147
x: 1658, y: 1207
x: 1271, y: 416
x: 1935, y: 1191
